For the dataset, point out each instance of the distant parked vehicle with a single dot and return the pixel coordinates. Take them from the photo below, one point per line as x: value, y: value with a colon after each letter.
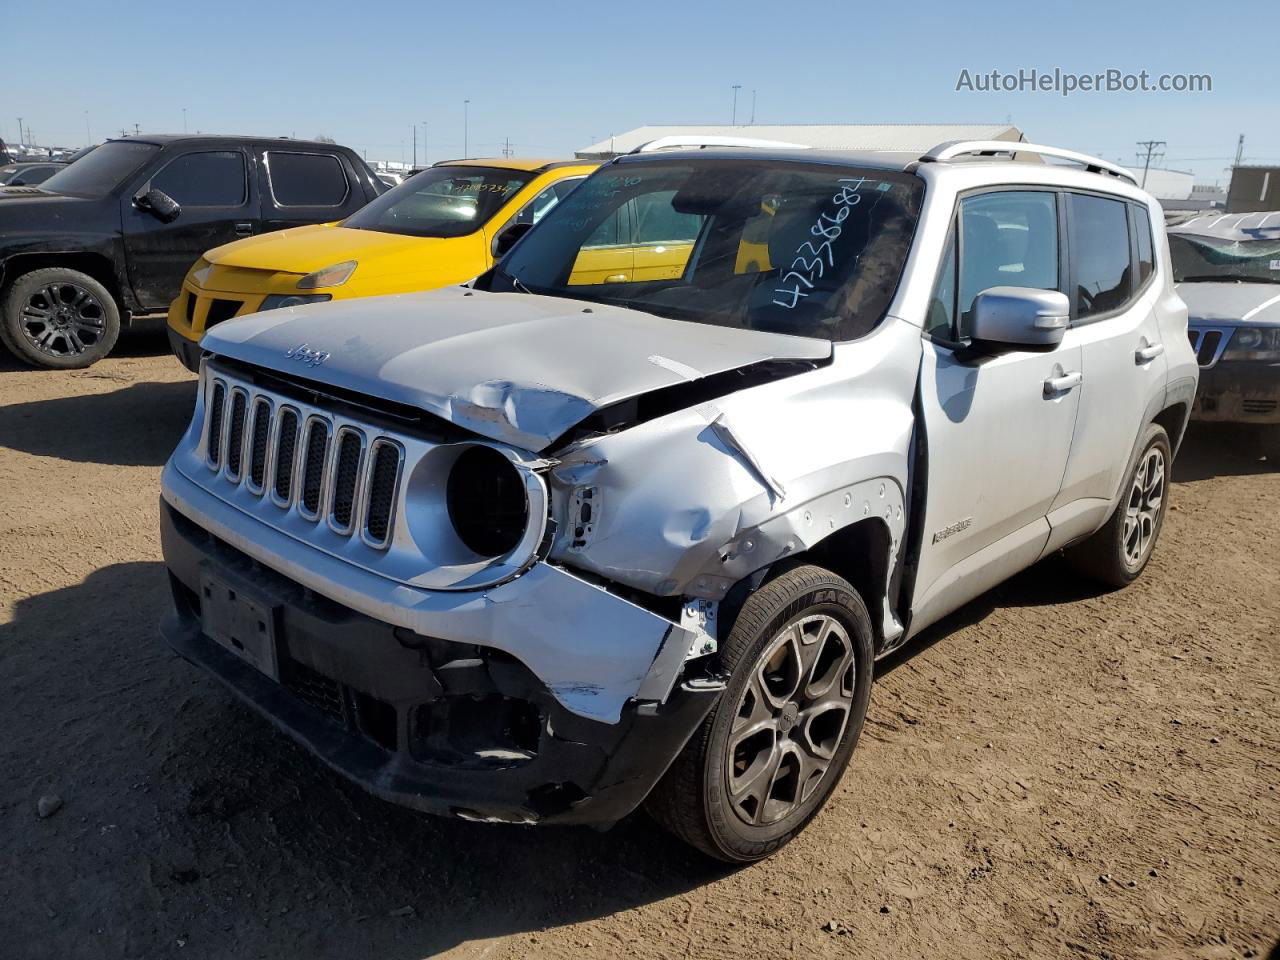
x: 444, y: 226
x: 112, y: 235
x: 1228, y: 271
x: 28, y: 174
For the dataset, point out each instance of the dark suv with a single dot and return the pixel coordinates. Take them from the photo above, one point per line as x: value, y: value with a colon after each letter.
x: 112, y: 235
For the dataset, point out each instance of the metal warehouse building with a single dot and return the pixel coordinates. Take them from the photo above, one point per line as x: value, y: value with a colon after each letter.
x: 909, y: 137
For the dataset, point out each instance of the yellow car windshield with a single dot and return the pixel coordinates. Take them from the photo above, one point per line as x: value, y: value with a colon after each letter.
x: 441, y: 202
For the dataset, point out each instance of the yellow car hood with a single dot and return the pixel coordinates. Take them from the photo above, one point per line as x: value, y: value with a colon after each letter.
x: 313, y: 247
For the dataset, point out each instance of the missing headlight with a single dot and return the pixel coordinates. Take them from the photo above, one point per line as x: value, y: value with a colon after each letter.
x: 487, y: 502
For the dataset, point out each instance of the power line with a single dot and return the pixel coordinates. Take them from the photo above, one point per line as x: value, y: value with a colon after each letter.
x: 1150, y: 146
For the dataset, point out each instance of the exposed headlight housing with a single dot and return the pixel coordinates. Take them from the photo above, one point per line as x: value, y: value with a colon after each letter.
x: 293, y: 300
x: 331, y: 276
x: 1253, y: 343
x: 487, y: 502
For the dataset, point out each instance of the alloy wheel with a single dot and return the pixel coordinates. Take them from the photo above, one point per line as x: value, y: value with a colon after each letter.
x: 1142, y: 511
x: 790, y: 719
x: 63, y: 319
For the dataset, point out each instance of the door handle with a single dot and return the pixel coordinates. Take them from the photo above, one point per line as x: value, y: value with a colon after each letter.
x: 244, y: 228
x: 1147, y: 354
x: 1068, y: 381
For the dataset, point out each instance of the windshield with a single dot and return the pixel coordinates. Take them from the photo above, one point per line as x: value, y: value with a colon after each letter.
x: 785, y: 246
x: 1199, y: 258
x: 441, y: 202
x: 98, y: 173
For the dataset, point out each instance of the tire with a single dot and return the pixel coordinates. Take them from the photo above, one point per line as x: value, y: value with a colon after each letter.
x: 1118, y: 553
x: 805, y: 623
x: 59, y: 318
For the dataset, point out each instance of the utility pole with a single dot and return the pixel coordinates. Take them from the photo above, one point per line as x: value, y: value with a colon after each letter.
x: 425, y: 161
x: 466, y: 132
x: 506, y: 147
x: 88, y: 137
x: 1239, y: 151
x: 1150, y: 146
x: 415, y: 144
x: 21, y: 142
x: 753, y: 107
x: 736, y: 88
x: 136, y: 129
x: 184, y: 119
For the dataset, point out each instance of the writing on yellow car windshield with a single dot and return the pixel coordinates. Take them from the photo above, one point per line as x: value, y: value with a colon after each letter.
x: 815, y: 256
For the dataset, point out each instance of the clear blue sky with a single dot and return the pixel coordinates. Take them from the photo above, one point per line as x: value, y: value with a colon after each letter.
x: 555, y: 76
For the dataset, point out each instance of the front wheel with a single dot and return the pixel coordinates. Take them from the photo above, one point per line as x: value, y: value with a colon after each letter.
x: 59, y: 318
x: 1118, y: 553
x: 766, y: 758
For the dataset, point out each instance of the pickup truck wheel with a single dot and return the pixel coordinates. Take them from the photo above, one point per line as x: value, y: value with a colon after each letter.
x: 1118, y: 553
x: 769, y: 754
x: 59, y: 318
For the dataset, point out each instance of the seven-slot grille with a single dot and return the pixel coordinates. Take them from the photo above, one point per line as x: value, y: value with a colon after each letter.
x: 1208, y: 343
x: 346, y: 476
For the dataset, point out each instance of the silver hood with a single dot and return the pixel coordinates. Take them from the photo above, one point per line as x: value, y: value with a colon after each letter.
x: 516, y: 368
x: 1232, y: 304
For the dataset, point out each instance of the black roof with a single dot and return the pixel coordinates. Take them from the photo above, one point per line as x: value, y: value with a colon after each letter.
x: 160, y: 139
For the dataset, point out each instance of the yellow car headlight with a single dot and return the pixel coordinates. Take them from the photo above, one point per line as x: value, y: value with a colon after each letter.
x: 332, y: 276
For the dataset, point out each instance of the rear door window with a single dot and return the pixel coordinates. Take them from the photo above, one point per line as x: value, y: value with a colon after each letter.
x: 1100, y: 254
x: 306, y: 179
x: 1146, y: 258
x: 212, y: 178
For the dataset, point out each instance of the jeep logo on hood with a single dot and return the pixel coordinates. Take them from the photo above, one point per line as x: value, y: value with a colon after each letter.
x: 303, y: 353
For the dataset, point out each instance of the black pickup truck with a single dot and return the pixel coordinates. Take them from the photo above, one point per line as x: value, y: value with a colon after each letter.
x: 111, y: 236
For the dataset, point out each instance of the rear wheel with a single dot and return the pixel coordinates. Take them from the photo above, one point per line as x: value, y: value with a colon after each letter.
x: 1118, y: 553
x: 765, y: 760
x: 59, y: 318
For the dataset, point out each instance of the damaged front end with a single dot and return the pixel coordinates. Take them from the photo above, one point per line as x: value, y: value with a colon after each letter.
x: 473, y: 627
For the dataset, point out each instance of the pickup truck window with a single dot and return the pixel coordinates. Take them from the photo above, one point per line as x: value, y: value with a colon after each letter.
x: 441, y: 202
x: 306, y: 179
x: 98, y: 173
x: 829, y: 244
x: 213, y: 178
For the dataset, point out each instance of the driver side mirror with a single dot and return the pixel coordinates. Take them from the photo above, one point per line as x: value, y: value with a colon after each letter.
x: 1019, y: 318
x: 508, y: 237
x: 159, y: 204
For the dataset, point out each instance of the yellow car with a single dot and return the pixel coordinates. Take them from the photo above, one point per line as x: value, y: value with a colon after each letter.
x: 445, y: 225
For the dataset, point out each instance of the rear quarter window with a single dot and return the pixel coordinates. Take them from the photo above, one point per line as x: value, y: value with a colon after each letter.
x: 306, y: 179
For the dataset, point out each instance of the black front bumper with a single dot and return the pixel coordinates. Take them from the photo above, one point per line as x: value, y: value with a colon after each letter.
x: 187, y: 351
x: 1239, y: 391
x: 410, y: 717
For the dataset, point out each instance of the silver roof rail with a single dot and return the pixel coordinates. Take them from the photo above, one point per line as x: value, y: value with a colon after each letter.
x: 962, y: 148
x: 690, y: 140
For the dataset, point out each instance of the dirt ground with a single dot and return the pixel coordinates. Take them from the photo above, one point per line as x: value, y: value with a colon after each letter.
x: 1052, y: 772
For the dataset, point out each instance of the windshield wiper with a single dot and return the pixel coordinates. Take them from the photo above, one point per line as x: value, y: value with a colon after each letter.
x: 1228, y: 278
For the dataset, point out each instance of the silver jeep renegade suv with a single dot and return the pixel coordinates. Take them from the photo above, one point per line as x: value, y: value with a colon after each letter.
x: 628, y: 519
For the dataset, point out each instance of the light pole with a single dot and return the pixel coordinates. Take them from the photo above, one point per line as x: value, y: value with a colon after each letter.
x: 736, y: 88
x: 425, y: 128
x: 184, y: 119
x: 415, y: 144
x: 21, y: 142
x: 88, y: 137
x: 466, y: 120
